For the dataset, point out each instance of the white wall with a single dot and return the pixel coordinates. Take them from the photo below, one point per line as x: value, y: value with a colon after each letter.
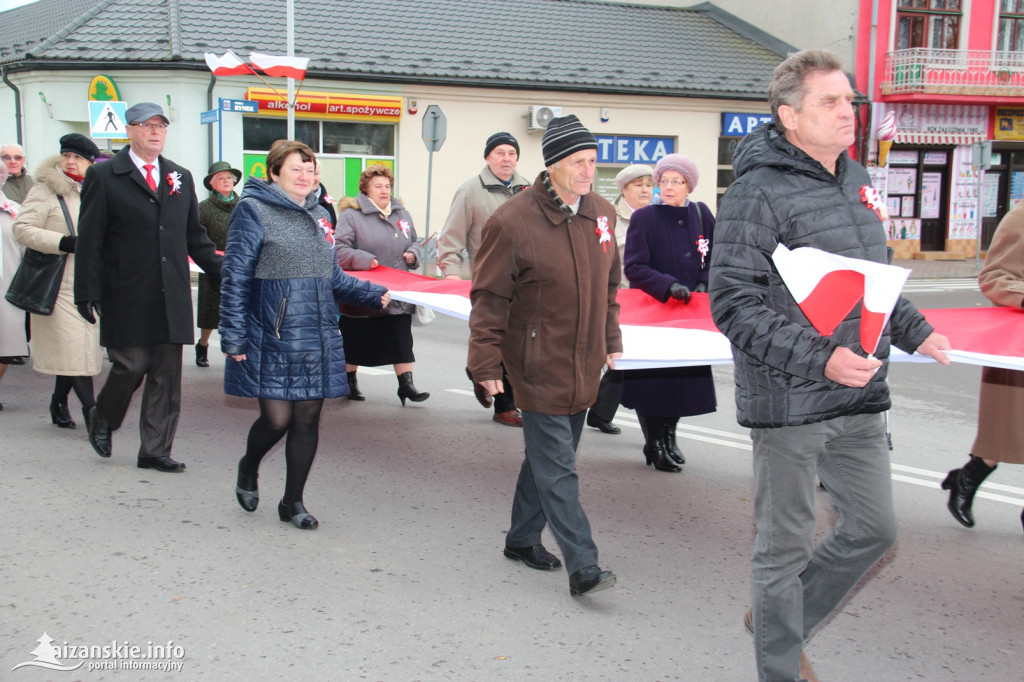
x: 472, y: 114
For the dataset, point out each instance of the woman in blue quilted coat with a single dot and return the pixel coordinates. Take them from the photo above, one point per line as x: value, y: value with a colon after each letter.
x: 279, y: 292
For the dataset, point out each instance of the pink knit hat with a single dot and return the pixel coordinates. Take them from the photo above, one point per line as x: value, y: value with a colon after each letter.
x: 681, y: 164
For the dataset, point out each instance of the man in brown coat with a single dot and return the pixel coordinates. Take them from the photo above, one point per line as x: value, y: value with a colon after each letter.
x: 543, y: 295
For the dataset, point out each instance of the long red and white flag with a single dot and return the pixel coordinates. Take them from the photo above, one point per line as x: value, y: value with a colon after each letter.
x: 674, y: 334
x: 280, y: 67
x: 227, y: 64
x: 827, y: 287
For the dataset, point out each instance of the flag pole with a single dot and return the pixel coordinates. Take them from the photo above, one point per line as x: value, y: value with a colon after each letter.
x: 290, y: 7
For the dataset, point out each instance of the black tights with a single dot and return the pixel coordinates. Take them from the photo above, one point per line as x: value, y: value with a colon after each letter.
x: 82, y: 386
x: 300, y: 419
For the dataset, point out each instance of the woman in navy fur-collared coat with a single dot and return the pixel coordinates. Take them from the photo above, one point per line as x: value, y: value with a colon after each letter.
x: 668, y: 249
x: 279, y: 292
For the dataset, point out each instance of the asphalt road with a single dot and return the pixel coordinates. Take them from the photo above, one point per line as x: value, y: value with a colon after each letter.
x: 404, y: 580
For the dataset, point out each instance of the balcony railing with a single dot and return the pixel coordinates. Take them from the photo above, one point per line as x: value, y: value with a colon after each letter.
x: 954, y: 72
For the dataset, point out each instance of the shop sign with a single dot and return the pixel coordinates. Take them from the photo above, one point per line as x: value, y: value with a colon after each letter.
x: 103, y: 89
x: 330, y: 105
x: 740, y: 125
x: 1009, y: 123
x: 627, y: 149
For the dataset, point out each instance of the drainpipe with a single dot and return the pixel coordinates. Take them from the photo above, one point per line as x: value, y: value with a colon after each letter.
x: 872, y: 60
x: 209, y: 128
x: 17, y: 105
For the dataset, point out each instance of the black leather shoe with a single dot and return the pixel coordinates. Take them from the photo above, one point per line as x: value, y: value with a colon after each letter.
x: 99, y: 433
x: 297, y: 514
x: 59, y: 413
x: 602, y: 425
x: 202, y: 355
x: 534, y: 557
x: 590, y: 579
x: 247, y: 491
x: 162, y: 463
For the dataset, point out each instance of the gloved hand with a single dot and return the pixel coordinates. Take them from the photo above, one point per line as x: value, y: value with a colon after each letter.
x: 679, y: 292
x: 701, y: 288
x: 67, y: 244
x: 85, y: 310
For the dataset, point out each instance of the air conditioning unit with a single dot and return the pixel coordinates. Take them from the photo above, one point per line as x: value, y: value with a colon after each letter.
x: 541, y: 115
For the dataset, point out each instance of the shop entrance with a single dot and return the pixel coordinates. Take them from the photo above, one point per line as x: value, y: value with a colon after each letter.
x: 1004, y: 187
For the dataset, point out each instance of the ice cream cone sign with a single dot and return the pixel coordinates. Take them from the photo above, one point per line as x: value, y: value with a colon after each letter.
x: 886, y: 136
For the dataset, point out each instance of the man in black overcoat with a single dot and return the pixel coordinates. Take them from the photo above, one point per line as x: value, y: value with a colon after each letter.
x: 138, y: 225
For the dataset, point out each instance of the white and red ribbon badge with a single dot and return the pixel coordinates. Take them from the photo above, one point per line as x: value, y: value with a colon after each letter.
x: 325, y: 225
x: 11, y: 208
x: 174, y: 181
x: 703, y: 246
x: 404, y: 225
x: 870, y: 196
x: 604, y: 234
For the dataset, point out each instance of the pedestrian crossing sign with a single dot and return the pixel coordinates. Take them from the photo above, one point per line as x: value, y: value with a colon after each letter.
x: 106, y: 120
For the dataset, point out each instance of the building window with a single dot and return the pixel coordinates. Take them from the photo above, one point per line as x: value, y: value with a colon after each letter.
x: 1011, y: 26
x: 928, y: 23
x: 725, y: 175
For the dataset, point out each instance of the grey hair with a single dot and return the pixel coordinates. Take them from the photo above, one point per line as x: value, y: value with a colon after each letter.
x: 788, y: 86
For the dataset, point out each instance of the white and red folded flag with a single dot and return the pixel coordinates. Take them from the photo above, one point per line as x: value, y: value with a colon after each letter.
x: 280, y: 67
x: 827, y: 287
x: 227, y: 64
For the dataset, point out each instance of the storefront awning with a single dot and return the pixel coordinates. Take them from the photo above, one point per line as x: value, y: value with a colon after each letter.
x: 939, y: 138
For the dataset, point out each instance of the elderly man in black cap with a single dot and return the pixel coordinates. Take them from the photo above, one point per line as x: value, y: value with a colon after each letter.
x: 543, y: 295
x: 474, y: 202
x: 138, y: 226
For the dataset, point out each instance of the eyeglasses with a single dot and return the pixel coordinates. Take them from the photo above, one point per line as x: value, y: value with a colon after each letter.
x: 671, y: 183
x: 150, y: 126
x: 8, y: 157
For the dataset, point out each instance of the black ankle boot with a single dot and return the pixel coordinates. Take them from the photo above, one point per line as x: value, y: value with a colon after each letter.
x: 655, y: 451
x: 353, y: 387
x: 406, y: 389
x: 962, y: 484
x: 59, y: 414
x: 674, y: 453
x: 247, y: 490
x: 202, y: 357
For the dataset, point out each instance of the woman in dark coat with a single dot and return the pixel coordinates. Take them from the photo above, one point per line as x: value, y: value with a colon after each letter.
x: 375, y: 229
x: 279, y: 287
x: 214, y: 212
x: 667, y: 253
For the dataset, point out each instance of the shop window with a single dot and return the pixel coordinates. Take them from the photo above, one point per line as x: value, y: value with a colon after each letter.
x: 726, y: 175
x: 1011, y: 26
x: 363, y: 139
x: 260, y: 133
x: 928, y: 23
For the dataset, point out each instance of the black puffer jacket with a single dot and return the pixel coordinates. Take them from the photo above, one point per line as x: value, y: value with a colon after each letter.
x: 783, y: 195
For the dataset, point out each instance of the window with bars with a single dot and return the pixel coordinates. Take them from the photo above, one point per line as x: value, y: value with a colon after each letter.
x: 928, y: 23
x: 1011, y: 26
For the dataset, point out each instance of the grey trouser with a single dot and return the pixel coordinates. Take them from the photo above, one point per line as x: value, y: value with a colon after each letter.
x: 795, y: 584
x: 160, y: 366
x: 548, y: 490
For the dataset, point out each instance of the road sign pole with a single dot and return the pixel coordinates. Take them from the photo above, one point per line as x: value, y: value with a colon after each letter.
x: 220, y: 130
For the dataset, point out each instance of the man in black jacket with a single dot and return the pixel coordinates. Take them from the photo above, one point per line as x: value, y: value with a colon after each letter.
x: 813, y: 403
x: 138, y: 226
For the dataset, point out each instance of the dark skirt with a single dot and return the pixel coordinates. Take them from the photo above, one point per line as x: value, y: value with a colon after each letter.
x: 374, y: 341
x: 208, y: 304
x: 670, y: 392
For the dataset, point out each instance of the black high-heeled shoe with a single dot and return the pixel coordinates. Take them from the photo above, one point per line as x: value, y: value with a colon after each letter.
x: 657, y: 455
x: 59, y: 414
x: 297, y: 514
x: 406, y: 389
x: 247, y: 491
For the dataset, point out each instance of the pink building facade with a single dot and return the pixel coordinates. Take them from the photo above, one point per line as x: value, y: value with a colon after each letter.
x: 951, y: 74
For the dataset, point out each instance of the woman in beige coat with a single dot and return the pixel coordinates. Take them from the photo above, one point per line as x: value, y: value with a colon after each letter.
x: 1000, y: 436
x: 63, y: 343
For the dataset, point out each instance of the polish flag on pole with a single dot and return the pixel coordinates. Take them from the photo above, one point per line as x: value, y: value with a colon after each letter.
x: 827, y: 287
x: 227, y: 65
x: 280, y: 67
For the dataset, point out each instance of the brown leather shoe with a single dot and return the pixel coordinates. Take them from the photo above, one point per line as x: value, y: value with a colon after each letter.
x: 806, y: 671
x: 509, y: 418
